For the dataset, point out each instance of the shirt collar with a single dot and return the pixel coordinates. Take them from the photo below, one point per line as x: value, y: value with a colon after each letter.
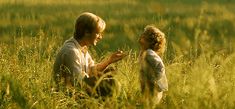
x: 83, y: 49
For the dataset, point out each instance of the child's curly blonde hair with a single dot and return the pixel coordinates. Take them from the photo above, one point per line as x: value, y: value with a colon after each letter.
x: 156, y: 39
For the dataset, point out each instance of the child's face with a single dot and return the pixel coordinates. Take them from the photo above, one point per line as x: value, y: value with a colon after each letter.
x: 143, y: 42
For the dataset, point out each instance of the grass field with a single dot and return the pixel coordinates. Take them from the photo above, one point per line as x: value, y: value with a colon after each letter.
x: 199, y: 60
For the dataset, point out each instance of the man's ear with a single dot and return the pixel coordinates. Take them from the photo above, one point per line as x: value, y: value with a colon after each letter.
x: 88, y: 32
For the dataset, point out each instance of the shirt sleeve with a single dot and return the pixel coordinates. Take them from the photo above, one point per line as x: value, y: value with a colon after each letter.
x: 90, y: 61
x: 91, y: 65
x: 155, y: 63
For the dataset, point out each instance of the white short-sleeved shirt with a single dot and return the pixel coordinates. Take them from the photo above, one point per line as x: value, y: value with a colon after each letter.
x: 153, y: 69
x: 72, y: 60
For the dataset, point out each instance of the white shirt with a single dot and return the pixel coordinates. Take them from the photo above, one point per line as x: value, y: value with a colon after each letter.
x: 153, y: 69
x: 72, y: 61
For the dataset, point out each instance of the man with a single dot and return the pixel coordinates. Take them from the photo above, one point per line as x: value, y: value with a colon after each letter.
x: 74, y: 67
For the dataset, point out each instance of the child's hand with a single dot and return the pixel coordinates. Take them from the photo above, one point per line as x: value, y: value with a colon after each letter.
x: 116, y: 56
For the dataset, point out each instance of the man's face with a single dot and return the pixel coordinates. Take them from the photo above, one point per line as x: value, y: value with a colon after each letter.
x: 95, y: 37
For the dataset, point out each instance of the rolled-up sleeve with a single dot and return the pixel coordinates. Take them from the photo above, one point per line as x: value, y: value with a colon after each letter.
x: 91, y: 65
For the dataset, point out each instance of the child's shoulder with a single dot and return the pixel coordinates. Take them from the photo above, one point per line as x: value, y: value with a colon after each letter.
x: 150, y: 52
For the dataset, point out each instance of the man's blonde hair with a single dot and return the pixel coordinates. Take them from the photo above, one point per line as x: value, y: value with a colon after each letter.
x: 156, y: 38
x: 88, y: 22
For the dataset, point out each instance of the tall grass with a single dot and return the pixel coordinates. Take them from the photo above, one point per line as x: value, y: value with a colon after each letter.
x: 199, y: 59
x: 206, y: 81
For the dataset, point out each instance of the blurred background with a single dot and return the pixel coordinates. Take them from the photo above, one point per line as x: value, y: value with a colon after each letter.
x: 199, y: 58
x: 191, y: 26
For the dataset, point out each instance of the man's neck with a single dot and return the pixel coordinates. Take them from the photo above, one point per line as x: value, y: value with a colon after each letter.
x: 83, y: 45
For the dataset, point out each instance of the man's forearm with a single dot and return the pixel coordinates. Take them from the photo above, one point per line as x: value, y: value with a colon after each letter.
x: 101, y: 66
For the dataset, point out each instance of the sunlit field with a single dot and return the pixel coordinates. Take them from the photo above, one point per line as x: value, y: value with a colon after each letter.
x: 199, y: 58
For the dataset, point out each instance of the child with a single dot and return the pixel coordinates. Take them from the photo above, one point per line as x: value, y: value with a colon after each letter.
x: 152, y: 71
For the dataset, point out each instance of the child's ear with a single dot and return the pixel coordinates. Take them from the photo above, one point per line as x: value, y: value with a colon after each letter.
x: 159, y: 39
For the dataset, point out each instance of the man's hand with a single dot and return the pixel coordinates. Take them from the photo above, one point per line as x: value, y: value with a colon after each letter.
x: 116, y: 56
